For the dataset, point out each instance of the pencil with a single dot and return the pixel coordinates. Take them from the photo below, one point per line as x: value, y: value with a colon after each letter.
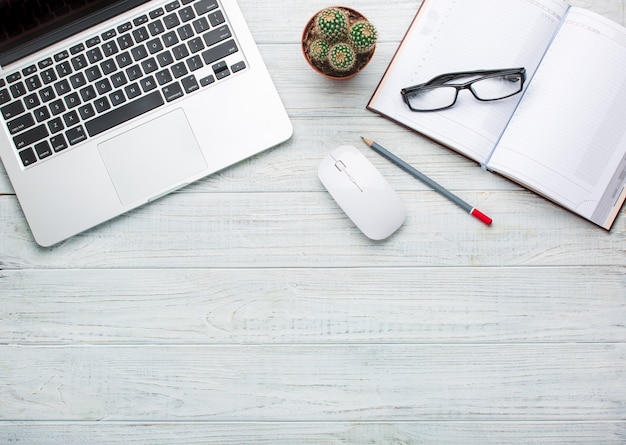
x: 429, y: 182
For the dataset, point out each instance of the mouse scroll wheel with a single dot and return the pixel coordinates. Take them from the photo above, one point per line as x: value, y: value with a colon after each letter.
x: 340, y: 166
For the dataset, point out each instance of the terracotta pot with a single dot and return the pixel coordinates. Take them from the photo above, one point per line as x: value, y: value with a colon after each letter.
x: 323, y: 66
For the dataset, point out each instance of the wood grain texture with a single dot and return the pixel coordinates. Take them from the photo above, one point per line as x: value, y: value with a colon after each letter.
x: 335, y: 382
x: 247, y: 309
x: 295, y: 305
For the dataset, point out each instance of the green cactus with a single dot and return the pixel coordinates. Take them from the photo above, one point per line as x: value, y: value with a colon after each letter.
x: 363, y: 36
x: 318, y: 50
x: 342, y: 57
x: 339, y: 41
x: 332, y: 23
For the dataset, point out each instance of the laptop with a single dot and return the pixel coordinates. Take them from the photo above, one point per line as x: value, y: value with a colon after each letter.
x: 107, y: 105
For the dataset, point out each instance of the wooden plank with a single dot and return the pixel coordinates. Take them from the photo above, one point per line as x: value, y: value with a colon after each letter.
x: 263, y: 306
x: 314, y: 433
x: 335, y: 382
x: 260, y: 229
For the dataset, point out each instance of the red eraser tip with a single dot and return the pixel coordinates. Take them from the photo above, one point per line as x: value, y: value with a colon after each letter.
x: 481, y: 216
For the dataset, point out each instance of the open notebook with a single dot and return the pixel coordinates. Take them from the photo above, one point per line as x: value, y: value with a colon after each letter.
x: 564, y: 136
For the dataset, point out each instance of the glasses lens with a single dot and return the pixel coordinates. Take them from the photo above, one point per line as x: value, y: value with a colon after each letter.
x: 497, y: 87
x: 428, y: 99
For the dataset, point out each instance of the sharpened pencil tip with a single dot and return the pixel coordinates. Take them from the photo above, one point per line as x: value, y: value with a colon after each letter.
x: 367, y: 141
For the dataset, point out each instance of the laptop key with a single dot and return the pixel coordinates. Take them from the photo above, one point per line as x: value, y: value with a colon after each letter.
x: 141, y: 34
x: 29, y: 70
x: 205, y: 6
x: 4, y: 96
x: 41, y: 114
x: 88, y: 93
x: 43, y: 149
x: 132, y: 91
x: 64, y: 69
x: 179, y: 70
x: 117, y: 97
x: 156, y: 28
x: 154, y: 46
x: 171, y: 6
x: 20, y: 123
x: 148, y: 84
x: 70, y: 118
x: 108, y: 67
x: 79, y: 62
x: 163, y: 77
x: 186, y: 32
x: 18, y: 90
x: 133, y: 72
x: 77, y: 49
x: 12, y: 110
x: 48, y: 76
x: 33, y: 83
x: 108, y: 34
x: 238, y: 67
x: 172, y: 91
x: 124, y: 59
x: 45, y: 63
x: 194, y: 63
x: 31, y: 136
x: 156, y: 13
x: 125, y: 41
x: 58, y: 143
x: 57, y: 107
x: 62, y: 87
x: 94, y: 55
x: 219, y: 52
x: 28, y: 157
x: 124, y: 113
x: 31, y: 101
x: 208, y: 80
x: 101, y: 104
x: 86, y: 112
x: 201, y: 25
x: 217, y: 35
x: 14, y: 77
x: 110, y: 48
x: 61, y: 56
x: 56, y: 125
x: 171, y: 21
x: 47, y: 94
x: 140, y: 20
x: 170, y: 39
x: 186, y: 14
x: 92, y: 42
x: 216, y: 18
x: 139, y: 53
x: 190, y: 84
x: 124, y: 27
x: 78, y: 80
x: 75, y: 135
x: 149, y: 65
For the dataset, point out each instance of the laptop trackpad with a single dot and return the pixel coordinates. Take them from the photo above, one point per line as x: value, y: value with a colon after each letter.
x: 152, y: 158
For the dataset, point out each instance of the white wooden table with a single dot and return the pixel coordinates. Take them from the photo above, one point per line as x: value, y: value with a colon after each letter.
x: 247, y: 308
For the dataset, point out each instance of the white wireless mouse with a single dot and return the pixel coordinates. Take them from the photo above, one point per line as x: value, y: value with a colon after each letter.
x: 362, y: 192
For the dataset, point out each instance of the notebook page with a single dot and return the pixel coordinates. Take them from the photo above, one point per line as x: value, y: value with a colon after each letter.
x: 461, y: 35
x: 568, y: 135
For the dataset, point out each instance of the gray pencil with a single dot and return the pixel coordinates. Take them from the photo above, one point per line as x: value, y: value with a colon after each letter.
x: 429, y: 182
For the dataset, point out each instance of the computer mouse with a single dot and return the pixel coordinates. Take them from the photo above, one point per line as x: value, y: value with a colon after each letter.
x: 362, y: 192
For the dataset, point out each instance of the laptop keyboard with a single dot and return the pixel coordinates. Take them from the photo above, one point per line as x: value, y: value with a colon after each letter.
x: 120, y: 74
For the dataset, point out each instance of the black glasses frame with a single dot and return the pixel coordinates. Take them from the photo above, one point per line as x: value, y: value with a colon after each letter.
x: 440, y: 81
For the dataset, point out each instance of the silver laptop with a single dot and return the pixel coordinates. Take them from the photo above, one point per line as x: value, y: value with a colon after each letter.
x: 107, y: 105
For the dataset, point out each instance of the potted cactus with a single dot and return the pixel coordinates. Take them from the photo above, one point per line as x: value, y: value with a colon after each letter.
x: 339, y: 42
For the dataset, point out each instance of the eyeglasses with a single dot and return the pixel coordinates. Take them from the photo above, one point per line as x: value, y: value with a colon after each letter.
x: 437, y: 94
